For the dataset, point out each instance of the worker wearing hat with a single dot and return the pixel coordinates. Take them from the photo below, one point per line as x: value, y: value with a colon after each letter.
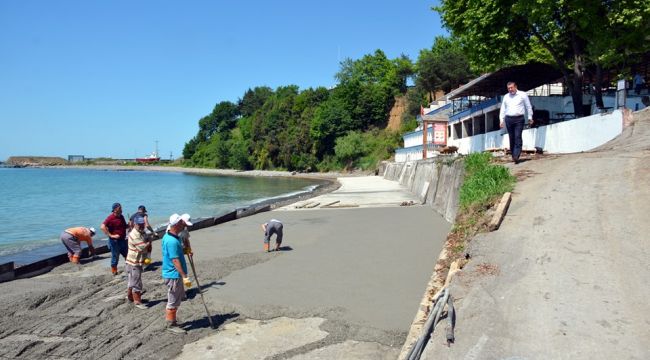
x: 135, y: 260
x: 72, y: 238
x: 174, y: 268
x: 141, y: 214
x: 115, y: 228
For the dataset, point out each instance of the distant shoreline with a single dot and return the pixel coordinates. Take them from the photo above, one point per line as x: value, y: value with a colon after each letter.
x: 222, y: 172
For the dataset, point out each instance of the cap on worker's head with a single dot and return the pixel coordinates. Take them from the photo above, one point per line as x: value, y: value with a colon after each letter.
x: 174, y: 219
x: 186, y: 218
x: 92, y: 231
x: 141, y: 207
x: 116, y: 205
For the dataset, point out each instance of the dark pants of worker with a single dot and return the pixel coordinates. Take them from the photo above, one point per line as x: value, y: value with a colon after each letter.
x: 515, y: 125
x: 117, y: 247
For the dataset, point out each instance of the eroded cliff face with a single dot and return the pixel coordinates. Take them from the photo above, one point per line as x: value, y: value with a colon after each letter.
x: 23, y: 161
x: 395, y: 116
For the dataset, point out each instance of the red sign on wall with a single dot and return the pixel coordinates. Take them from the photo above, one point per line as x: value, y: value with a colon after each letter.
x: 439, y: 134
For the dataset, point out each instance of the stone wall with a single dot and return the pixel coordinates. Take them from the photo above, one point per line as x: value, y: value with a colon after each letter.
x: 436, y: 182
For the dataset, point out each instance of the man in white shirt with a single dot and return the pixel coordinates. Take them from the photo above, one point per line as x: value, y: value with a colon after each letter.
x: 514, y: 107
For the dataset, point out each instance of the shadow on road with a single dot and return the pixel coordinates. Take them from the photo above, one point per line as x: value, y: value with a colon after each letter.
x: 217, y: 320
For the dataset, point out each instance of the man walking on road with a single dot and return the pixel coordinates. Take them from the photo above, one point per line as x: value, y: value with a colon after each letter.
x: 514, y: 106
x: 272, y: 227
x: 115, y: 227
x: 72, y: 238
x: 174, y: 269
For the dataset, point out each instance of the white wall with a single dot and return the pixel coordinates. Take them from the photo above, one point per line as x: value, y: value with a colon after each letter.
x: 412, y: 155
x: 566, y: 137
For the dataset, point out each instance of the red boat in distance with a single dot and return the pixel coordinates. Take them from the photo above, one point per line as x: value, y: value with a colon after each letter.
x: 149, y: 159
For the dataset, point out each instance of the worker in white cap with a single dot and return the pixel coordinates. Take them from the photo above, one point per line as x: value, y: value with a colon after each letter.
x: 174, y: 269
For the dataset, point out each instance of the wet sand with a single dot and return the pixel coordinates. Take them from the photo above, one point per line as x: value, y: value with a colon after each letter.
x: 360, y: 271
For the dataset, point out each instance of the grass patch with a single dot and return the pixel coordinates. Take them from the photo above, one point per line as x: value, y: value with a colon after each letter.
x: 485, y: 182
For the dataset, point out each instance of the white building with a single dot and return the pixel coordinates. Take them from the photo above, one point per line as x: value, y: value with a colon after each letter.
x: 473, y: 115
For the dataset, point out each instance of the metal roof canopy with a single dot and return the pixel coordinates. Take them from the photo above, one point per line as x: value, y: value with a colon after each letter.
x: 528, y: 76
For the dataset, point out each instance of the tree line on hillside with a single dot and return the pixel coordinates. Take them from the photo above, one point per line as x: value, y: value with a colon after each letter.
x: 326, y: 129
x: 321, y: 129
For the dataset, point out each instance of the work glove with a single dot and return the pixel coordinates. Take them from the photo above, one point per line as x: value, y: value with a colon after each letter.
x: 147, y: 261
x: 187, y: 282
x: 187, y: 251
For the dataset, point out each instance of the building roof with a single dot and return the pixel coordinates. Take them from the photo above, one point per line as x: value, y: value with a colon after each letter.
x: 528, y: 76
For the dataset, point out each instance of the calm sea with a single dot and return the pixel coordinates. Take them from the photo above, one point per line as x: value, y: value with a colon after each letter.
x: 37, y: 204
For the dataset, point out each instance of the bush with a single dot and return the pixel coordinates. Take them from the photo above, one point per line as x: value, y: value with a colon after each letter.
x: 484, y: 181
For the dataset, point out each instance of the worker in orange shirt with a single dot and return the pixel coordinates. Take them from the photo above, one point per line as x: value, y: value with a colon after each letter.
x: 72, y: 238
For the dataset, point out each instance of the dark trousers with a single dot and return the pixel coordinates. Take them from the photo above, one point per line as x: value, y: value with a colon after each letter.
x: 515, y: 125
x: 118, y: 247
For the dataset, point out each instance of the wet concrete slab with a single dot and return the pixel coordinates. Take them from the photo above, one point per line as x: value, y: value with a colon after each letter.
x: 362, y: 191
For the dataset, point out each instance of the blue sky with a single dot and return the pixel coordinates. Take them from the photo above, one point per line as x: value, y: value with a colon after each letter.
x: 109, y: 78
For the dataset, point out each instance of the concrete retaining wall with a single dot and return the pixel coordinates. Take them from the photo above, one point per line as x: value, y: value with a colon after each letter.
x: 434, y: 181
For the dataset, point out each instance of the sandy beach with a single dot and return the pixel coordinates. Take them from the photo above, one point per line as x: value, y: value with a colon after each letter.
x: 346, y: 285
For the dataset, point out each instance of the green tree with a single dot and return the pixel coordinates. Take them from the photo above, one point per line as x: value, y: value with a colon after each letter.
x: 331, y: 119
x: 190, y: 147
x: 499, y: 32
x: 239, y: 151
x: 222, y: 119
x: 443, y: 67
x: 253, y: 100
x: 368, y: 87
x: 349, y: 148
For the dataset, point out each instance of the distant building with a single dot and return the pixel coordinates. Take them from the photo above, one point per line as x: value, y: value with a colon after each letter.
x: 76, y: 158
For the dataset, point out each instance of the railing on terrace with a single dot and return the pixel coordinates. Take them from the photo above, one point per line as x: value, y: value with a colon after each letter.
x: 418, y: 132
x: 482, y: 105
x: 417, y: 148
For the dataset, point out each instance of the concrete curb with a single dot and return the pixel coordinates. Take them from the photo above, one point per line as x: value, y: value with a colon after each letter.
x: 501, y: 210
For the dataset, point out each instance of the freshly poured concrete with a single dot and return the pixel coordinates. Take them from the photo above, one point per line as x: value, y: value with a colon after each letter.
x: 369, y: 264
x: 346, y: 284
x: 365, y: 191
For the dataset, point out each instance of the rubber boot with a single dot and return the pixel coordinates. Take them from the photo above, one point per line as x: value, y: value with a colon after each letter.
x: 137, y: 300
x: 129, y: 294
x: 266, y: 247
x: 172, y: 325
x: 114, y: 270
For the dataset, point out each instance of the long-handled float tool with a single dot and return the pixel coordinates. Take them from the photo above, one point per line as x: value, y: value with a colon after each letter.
x: 198, y: 286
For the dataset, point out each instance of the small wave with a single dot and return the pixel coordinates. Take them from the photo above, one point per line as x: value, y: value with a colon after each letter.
x: 306, y: 190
